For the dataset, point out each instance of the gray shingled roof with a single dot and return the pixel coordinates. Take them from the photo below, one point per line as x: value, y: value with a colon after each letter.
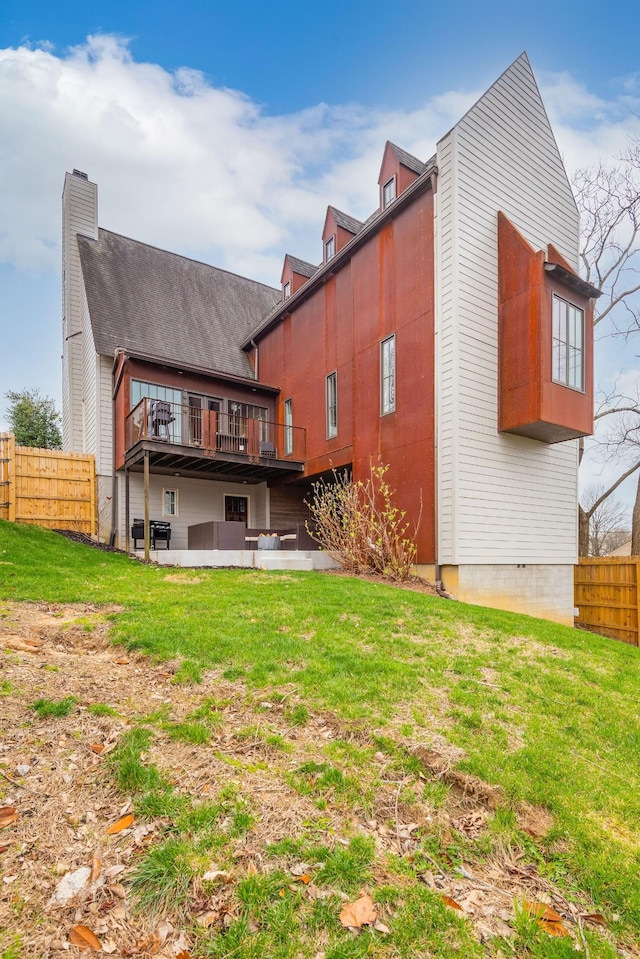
x: 301, y: 267
x: 347, y: 222
x: 159, y: 304
x: 406, y: 159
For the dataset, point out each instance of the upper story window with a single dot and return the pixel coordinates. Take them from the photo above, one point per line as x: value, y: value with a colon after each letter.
x: 568, y: 344
x: 388, y: 192
x: 286, y: 290
x: 330, y: 249
x: 288, y: 427
x: 388, y: 375
x: 332, y: 405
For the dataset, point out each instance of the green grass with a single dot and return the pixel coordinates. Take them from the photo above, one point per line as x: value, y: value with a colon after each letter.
x: 50, y: 708
x: 101, y: 709
x: 554, y: 723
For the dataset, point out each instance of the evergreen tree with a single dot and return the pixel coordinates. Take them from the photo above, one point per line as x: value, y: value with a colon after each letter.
x: 34, y: 419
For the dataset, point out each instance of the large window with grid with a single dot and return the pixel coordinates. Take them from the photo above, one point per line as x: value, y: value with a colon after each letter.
x: 568, y: 344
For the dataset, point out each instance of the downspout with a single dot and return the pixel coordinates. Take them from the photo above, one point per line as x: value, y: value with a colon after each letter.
x: 436, y: 372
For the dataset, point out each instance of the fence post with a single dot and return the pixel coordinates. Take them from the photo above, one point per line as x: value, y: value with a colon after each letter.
x: 11, y: 476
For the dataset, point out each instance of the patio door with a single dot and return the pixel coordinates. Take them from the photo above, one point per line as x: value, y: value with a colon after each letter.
x: 236, y: 509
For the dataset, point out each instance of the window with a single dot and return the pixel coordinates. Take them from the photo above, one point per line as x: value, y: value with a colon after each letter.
x: 388, y: 375
x: 239, y: 416
x: 330, y: 249
x: 332, y: 405
x: 169, y: 502
x: 388, y: 192
x: 288, y: 427
x: 164, y: 409
x: 286, y: 289
x: 568, y: 344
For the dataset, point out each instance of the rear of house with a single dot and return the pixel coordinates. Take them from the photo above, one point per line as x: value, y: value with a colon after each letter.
x: 448, y: 335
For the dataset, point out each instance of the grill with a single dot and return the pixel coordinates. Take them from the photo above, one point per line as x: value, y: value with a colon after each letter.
x: 158, y: 530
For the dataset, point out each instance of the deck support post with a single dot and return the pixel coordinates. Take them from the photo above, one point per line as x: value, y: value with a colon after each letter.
x: 147, y: 531
x: 127, y: 525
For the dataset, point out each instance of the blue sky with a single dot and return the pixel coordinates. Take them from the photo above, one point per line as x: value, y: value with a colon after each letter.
x: 222, y: 131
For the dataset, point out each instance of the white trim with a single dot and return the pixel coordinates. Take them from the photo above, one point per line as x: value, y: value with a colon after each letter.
x: 176, y: 500
x: 334, y: 374
x: 392, y: 404
x: 392, y: 180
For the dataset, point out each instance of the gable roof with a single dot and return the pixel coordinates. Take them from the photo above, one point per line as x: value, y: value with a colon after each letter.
x: 348, y: 223
x: 301, y: 267
x: 180, y: 311
x: 407, y: 159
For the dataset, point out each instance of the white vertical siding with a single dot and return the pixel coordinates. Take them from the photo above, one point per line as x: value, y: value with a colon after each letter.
x: 503, y: 498
x: 79, y: 215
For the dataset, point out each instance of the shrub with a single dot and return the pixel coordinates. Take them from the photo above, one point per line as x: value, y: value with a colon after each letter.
x: 357, y: 524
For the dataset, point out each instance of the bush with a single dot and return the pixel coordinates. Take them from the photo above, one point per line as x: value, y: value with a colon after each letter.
x: 357, y: 524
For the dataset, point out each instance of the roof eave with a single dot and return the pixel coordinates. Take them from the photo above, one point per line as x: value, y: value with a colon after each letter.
x: 572, y: 280
x: 201, y: 370
x: 423, y: 182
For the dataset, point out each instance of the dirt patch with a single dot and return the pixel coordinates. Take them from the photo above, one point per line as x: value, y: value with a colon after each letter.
x: 55, y: 773
x: 415, y: 583
x: 85, y: 540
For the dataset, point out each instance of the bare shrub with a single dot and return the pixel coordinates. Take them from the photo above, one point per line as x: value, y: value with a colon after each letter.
x: 357, y: 524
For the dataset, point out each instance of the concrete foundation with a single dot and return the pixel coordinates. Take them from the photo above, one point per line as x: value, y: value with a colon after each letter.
x: 304, y: 560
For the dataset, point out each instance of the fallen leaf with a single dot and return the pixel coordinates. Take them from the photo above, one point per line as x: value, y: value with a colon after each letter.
x: 541, y: 911
x: 7, y: 820
x: 305, y: 879
x: 4, y: 848
x: 97, y: 748
x: 120, y: 825
x: 591, y: 917
x: 552, y: 928
x: 122, y: 662
x: 96, y: 869
x: 82, y: 937
x: 448, y: 901
x: 360, y: 913
x: 380, y: 927
x: 183, y: 955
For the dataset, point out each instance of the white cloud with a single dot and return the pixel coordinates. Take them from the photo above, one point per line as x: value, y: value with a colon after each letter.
x: 180, y: 163
x: 206, y: 171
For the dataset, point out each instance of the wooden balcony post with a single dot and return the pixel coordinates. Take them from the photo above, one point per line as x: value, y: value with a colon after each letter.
x: 147, y: 529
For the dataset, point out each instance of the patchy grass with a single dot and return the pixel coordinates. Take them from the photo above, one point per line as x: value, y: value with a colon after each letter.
x: 50, y: 708
x: 416, y: 740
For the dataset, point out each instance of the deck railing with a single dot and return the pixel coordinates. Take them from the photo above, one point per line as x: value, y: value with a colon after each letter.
x: 213, y: 431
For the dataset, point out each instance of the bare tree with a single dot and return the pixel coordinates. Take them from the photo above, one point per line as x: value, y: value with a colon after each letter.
x: 609, y: 521
x: 609, y: 201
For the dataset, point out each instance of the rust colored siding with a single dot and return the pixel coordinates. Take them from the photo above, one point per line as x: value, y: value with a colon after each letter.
x: 385, y: 288
x: 530, y: 403
x: 187, y: 382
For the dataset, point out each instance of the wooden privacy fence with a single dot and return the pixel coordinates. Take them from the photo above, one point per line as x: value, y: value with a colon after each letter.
x: 607, y: 596
x: 49, y: 488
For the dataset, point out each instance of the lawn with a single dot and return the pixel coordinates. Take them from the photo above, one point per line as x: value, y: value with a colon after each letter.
x: 474, y: 725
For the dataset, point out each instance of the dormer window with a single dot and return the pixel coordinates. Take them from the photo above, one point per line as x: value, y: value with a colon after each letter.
x: 286, y: 290
x: 388, y: 192
x: 330, y: 249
